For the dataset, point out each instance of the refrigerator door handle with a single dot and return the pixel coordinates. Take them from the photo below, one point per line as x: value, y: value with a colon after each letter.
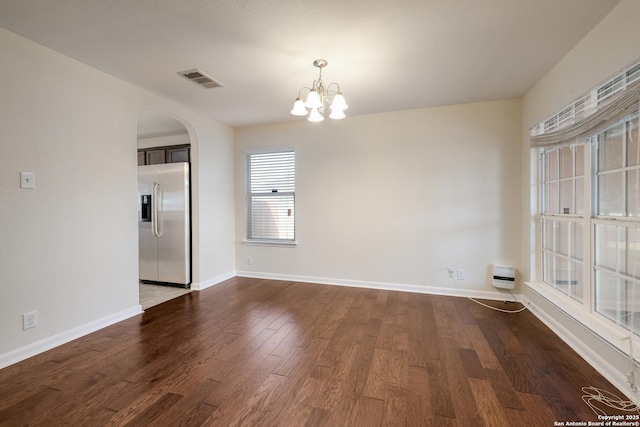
x: 155, y: 225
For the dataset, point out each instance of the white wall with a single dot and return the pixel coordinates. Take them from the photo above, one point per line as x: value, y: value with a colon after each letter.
x: 69, y: 247
x: 392, y: 199
x: 613, y: 44
x: 213, y: 208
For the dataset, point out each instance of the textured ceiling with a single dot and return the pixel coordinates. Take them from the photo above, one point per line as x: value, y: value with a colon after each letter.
x: 386, y: 55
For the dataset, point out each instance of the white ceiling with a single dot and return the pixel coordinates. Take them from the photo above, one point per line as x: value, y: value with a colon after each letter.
x: 386, y: 54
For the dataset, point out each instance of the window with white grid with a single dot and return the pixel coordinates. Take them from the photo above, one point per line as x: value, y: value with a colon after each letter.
x: 562, y: 219
x: 588, y: 181
x: 616, y: 227
x: 590, y: 237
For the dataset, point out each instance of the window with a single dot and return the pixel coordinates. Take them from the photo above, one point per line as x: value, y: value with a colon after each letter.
x: 271, y: 196
x: 618, y: 170
x: 562, y: 219
x: 616, y: 233
x: 588, y: 184
x: 590, y: 222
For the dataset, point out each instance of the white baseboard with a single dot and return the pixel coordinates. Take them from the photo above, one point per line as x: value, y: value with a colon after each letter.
x: 199, y: 286
x: 614, y: 376
x: 434, y: 290
x: 48, y: 343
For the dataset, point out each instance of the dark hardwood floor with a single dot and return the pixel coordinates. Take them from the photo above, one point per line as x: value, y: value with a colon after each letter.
x: 273, y: 353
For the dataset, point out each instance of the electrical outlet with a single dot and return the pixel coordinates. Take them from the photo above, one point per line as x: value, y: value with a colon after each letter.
x: 450, y: 272
x: 248, y: 260
x: 27, y: 180
x: 29, y: 320
x: 461, y: 274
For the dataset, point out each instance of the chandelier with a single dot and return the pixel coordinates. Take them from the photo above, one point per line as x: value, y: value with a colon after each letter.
x: 318, y: 96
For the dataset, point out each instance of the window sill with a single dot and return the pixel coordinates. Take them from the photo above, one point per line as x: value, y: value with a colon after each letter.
x: 288, y: 243
x: 616, y: 336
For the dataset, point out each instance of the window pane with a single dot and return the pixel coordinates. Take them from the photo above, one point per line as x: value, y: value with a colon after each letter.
x: 633, y: 74
x: 610, y: 200
x: 563, y: 238
x: 618, y: 299
x: 548, y: 268
x: 562, y: 275
x: 608, y: 296
x: 551, y: 165
x: 579, y: 108
x: 272, y: 172
x: 633, y: 155
x: 610, y: 151
x: 547, y: 227
x: 633, y: 186
x: 610, y: 88
x: 551, y: 124
x: 609, y: 253
x: 634, y: 305
x: 551, y: 198
x: 576, y: 241
x: 617, y: 249
x: 580, y: 196
x: 579, y: 154
x: 575, y: 283
x: 566, y: 162
x: 632, y: 251
x: 565, y: 116
x: 566, y: 197
x: 272, y: 217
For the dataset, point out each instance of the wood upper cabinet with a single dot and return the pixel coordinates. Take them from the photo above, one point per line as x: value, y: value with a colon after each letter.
x: 155, y: 157
x: 158, y: 155
x: 179, y: 154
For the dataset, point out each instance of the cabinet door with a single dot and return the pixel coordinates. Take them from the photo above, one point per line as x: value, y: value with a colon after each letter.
x: 155, y: 157
x: 176, y: 155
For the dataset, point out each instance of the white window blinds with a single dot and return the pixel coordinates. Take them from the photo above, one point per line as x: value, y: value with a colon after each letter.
x: 616, y: 108
x: 597, y: 110
x: 271, y: 196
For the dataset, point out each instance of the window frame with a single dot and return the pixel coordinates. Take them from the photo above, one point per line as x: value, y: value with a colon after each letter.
x: 571, y: 124
x: 548, y: 217
x: 249, y: 236
x: 587, y: 312
x: 622, y: 221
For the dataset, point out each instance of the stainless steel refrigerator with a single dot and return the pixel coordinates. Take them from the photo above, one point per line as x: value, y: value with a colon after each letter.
x: 164, y: 231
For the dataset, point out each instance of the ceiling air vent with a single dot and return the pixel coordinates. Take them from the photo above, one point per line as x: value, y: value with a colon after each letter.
x: 199, y: 78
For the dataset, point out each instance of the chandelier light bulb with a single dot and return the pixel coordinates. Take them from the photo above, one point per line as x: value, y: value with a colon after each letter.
x: 298, y: 108
x: 315, y: 116
x: 313, y: 100
x: 339, y: 103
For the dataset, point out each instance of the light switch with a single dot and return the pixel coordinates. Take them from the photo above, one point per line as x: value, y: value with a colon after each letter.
x: 27, y: 180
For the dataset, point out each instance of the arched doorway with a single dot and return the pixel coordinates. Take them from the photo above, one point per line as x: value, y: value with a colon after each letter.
x: 164, y: 214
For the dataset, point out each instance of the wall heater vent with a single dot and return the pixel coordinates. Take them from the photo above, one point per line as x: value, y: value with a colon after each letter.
x: 504, y: 276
